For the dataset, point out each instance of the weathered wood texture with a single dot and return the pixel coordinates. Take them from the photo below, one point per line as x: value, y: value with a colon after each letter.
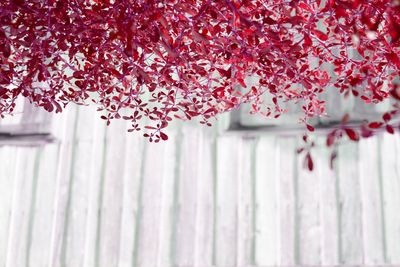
x: 100, y: 196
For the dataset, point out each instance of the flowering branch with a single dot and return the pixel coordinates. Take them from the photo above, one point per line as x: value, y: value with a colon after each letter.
x: 149, y: 62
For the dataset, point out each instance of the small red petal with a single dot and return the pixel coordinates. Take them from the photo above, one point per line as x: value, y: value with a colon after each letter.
x: 309, y: 162
x: 353, y: 135
x: 375, y: 125
x: 389, y: 129
x: 163, y: 136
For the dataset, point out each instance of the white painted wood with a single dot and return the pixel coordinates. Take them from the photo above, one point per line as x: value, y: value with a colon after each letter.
x: 389, y: 151
x: 328, y: 183
x: 25, y: 176
x: 64, y: 130
x: 150, y: 207
x: 350, y: 216
x: 204, y: 232
x: 95, y: 174
x: 229, y: 150
x: 62, y: 124
x: 167, y: 216
x: 266, y: 201
x: 8, y: 158
x: 186, y: 216
x: 40, y: 240
x: 308, y: 215
x: 245, y: 215
x: 371, y: 199
x: 111, y: 202
x: 287, y: 173
x: 73, y: 246
x: 199, y: 199
x: 132, y: 175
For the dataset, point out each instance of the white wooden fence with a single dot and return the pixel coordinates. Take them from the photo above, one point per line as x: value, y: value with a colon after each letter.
x: 100, y: 196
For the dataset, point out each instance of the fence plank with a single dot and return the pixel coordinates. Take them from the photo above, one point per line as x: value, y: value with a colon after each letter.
x: 308, y: 215
x: 351, y: 242
x: 373, y: 235
x: 205, y: 202
x: 94, y: 174
x: 73, y: 249
x: 112, y: 196
x: 245, y: 215
x: 64, y: 130
x: 328, y: 199
x: 8, y: 157
x: 165, y: 244
x: 287, y: 173
x: 266, y: 198
x: 390, y: 174
x: 190, y: 173
x: 149, y: 227
x: 133, y: 163
x: 24, y: 187
x: 43, y: 206
x: 229, y: 149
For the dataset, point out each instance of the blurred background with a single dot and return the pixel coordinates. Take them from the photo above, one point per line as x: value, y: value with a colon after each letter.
x: 74, y: 192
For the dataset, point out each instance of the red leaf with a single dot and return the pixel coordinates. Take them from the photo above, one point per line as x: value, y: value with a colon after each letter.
x: 307, y: 40
x: 353, y: 135
x: 163, y: 136
x: 394, y: 58
x: 3, y: 91
x: 365, y: 132
x: 395, y: 93
x: 309, y: 162
x: 305, y: 7
x: 310, y: 128
x: 78, y: 74
x: 389, y: 129
x: 150, y: 127
x: 320, y: 35
x: 375, y: 125
x: 330, y: 139
x: 386, y: 117
x: 48, y: 107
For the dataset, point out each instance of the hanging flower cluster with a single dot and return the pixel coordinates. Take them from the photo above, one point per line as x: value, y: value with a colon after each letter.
x: 150, y: 61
